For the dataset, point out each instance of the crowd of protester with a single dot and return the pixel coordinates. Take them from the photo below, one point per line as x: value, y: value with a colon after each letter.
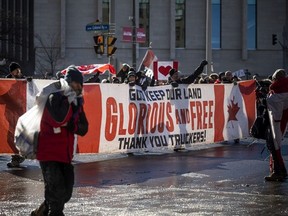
x: 274, y: 86
x: 128, y: 75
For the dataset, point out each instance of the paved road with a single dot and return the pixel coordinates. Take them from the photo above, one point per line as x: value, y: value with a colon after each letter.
x: 223, y: 180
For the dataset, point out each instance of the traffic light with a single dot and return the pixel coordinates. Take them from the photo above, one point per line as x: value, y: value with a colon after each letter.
x: 274, y: 39
x: 99, y: 44
x: 110, y: 45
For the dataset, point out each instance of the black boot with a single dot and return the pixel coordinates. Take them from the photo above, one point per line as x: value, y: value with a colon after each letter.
x: 16, y: 160
x: 40, y: 211
x: 279, y: 172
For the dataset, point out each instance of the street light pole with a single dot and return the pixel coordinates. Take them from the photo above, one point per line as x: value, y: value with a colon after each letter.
x: 208, y: 36
x: 134, y: 36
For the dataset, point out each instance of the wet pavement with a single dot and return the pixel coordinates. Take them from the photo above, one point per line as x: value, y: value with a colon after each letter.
x: 224, y: 179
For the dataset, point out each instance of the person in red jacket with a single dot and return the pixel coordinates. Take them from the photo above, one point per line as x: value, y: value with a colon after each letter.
x: 277, y: 103
x: 63, y: 116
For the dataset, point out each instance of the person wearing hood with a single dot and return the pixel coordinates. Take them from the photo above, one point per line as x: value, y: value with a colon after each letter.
x: 63, y: 117
x: 123, y: 73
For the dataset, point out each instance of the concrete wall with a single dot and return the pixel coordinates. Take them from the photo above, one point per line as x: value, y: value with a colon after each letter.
x: 271, y: 16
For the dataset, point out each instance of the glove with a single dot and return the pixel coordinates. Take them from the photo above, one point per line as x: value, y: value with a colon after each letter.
x: 80, y: 101
x: 72, y: 96
x: 203, y: 63
x: 29, y: 79
x: 144, y: 87
x: 174, y: 84
x: 71, y: 125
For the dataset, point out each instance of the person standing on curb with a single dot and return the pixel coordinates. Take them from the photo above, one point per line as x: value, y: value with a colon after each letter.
x: 16, y: 159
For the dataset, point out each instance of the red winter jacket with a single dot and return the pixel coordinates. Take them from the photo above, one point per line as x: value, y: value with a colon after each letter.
x: 279, y: 86
x: 60, y: 121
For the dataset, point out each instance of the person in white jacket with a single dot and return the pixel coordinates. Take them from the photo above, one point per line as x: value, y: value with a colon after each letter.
x: 277, y: 103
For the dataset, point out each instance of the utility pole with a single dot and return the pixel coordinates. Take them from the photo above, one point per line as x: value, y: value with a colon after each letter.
x: 110, y: 17
x: 134, y: 35
x: 284, y: 47
x: 208, y: 36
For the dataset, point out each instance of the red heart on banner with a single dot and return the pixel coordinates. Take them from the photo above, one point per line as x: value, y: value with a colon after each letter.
x: 165, y: 70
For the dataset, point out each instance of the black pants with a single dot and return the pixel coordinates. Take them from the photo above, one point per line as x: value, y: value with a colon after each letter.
x: 59, y: 181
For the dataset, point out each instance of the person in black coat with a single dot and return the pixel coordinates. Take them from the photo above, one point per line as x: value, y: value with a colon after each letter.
x: 15, y: 71
x: 16, y: 159
x: 175, y: 79
x: 123, y: 73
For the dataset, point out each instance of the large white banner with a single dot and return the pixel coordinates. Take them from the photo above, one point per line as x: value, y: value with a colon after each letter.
x: 125, y: 118
x: 167, y: 117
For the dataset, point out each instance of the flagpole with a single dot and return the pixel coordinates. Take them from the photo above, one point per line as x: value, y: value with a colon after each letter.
x: 134, y: 36
x: 208, y: 36
x: 149, y: 48
x: 109, y: 57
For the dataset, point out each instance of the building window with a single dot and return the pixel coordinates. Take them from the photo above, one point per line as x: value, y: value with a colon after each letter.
x: 216, y: 24
x: 105, y: 11
x: 180, y: 23
x: 251, y: 24
x: 17, y: 34
x: 144, y: 19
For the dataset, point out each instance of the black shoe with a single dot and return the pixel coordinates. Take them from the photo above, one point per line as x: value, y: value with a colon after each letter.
x: 15, y: 162
x: 276, y: 177
x: 176, y: 149
x: 236, y: 141
x: 40, y: 211
x: 284, y: 173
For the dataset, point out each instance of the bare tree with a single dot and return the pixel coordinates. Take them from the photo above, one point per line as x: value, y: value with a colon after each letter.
x: 47, y: 54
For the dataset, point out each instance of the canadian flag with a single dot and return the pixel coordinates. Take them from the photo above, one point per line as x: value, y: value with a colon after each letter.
x: 234, y: 111
x: 147, y: 63
x: 93, y: 68
x: 161, y: 69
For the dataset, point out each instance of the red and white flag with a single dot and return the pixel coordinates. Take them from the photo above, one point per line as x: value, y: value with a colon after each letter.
x: 161, y: 69
x: 147, y: 63
x: 94, y: 68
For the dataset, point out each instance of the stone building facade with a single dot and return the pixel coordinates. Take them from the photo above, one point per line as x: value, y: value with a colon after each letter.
x: 59, y: 28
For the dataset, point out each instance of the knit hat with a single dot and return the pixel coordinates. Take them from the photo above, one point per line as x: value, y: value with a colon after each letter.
x: 172, y: 72
x: 13, y: 66
x: 278, y: 74
x: 131, y: 73
x: 73, y: 74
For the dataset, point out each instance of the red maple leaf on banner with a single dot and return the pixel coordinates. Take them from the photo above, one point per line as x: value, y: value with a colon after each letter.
x: 233, y: 109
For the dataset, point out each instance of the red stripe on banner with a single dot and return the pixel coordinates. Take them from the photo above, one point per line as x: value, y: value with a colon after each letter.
x: 155, y: 70
x: 93, y: 109
x: 12, y: 106
x: 219, y: 120
x: 247, y: 90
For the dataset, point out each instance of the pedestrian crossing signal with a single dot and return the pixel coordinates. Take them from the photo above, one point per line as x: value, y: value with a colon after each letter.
x: 110, y: 45
x: 99, y: 44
